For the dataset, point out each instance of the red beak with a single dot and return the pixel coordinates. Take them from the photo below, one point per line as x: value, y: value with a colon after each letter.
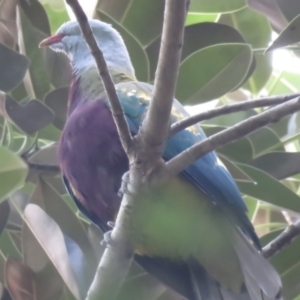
x: 51, y: 40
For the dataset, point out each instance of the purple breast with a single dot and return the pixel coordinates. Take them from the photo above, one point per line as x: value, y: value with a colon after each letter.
x: 91, y: 157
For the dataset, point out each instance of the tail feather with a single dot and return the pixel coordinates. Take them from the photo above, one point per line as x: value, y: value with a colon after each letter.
x: 261, y: 279
x: 207, y: 288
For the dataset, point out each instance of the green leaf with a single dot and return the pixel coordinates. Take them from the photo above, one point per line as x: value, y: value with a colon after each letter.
x: 280, y: 165
x: 194, y: 18
x: 4, y: 214
x: 48, y: 234
x: 19, y: 280
x: 268, y: 189
x: 37, y: 83
x: 13, y: 172
x: 56, y: 16
x: 46, y: 197
x: 46, y: 156
x: 263, y: 139
x: 151, y: 12
x: 249, y: 23
x: 240, y: 150
x: 57, y: 100
x: 29, y: 117
x: 225, y: 65
x: 114, y: 8
x: 7, y: 246
x: 234, y: 170
x: 217, y: 6
x: 137, y: 53
x: 48, y: 283
x: 196, y: 37
x: 13, y: 68
x: 144, y: 287
x: 36, y: 13
x: 290, y: 9
x: 290, y: 35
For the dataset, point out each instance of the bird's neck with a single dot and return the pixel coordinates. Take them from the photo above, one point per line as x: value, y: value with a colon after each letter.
x: 87, y: 86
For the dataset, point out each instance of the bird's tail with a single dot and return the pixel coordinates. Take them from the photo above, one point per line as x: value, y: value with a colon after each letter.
x: 261, y: 281
x: 207, y: 288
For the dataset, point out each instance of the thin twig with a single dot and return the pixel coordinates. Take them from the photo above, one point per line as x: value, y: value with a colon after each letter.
x: 184, y: 159
x: 156, y: 126
x: 228, y: 109
x: 117, y: 110
x: 284, y: 239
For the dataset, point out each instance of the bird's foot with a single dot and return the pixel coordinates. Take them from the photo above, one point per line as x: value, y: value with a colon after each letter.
x: 124, y: 189
x: 111, y: 224
x: 107, y: 240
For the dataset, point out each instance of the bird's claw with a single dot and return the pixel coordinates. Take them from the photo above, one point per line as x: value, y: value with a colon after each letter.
x: 124, y: 189
x: 107, y: 240
x: 111, y: 224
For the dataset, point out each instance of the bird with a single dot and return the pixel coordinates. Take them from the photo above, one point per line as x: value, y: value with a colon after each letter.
x: 192, y: 233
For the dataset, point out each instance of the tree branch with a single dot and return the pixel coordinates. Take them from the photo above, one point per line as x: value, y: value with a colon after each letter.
x: 284, y: 239
x: 118, y: 255
x: 155, y: 127
x: 116, y: 107
x: 228, y: 109
x: 272, y: 115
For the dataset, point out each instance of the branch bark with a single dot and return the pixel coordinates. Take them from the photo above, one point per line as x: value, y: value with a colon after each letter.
x: 116, y: 107
x: 229, y: 109
x: 184, y: 159
x: 155, y: 127
x: 284, y: 239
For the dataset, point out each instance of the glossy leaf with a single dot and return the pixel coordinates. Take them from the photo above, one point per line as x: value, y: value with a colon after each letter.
x: 57, y: 100
x: 7, y: 246
x: 196, y: 37
x: 37, y: 83
x: 226, y: 66
x: 280, y: 165
x: 290, y: 9
x: 8, y: 29
x: 268, y: 189
x: 263, y: 139
x: 216, y: 6
x: 144, y: 287
x: 46, y: 197
x: 19, y: 280
x: 4, y: 214
x: 144, y: 10
x: 234, y: 170
x: 13, y: 68
x: 36, y: 13
x: 13, y: 172
x: 194, y: 18
x: 248, y: 23
x: 135, y: 49
x: 45, y: 156
x: 48, y: 234
x: 34, y: 255
x: 80, y: 266
x: 114, y: 8
x: 29, y: 117
x: 290, y: 35
x: 240, y: 150
x: 48, y: 283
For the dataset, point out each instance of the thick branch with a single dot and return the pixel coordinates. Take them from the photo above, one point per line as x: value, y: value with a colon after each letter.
x: 228, y: 109
x: 284, y: 239
x: 117, y: 257
x: 184, y: 159
x: 117, y: 110
x: 156, y: 126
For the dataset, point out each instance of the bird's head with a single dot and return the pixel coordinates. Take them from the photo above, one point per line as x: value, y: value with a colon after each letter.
x: 69, y: 40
